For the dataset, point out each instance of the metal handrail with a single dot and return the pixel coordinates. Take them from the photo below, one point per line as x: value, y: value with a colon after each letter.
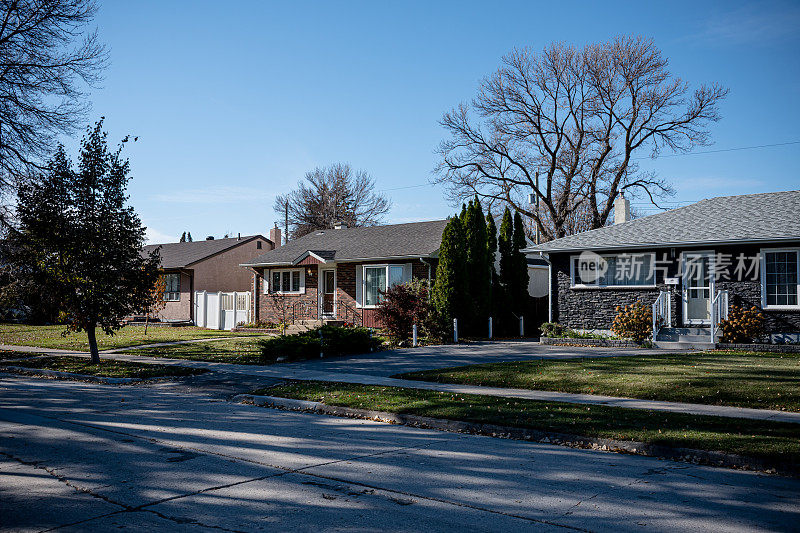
x: 662, y: 312
x: 358, y: 318
x: 304, y: 306
x: 719, y: 312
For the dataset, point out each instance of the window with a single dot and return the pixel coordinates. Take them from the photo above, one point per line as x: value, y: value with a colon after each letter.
x: 619, y: 270
x: 376, y: 278
x: 258, y: 245
x: 172, y: 287
x: 287, y: 281
x: 779, y: 281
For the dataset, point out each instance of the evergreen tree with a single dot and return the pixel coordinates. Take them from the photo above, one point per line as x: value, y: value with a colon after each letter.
x: 478, y: 287
x: 447, y: 295
x: 88, y: 241
x: 521, y: 277
x: 495, y: 293
x: 183, y: 237
x: 505, y: 298
x: 189, y: 236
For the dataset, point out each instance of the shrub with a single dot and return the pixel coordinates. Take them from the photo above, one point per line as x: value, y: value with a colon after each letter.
x: 742, y: 325
x: 552, y: 329
x: 403, y: 306
x: 306, y: 345
x: 259, y: 324
x: 634, y: 321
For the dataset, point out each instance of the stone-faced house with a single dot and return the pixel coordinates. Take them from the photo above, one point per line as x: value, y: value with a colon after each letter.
x: 690, y: 263
x: 337, y: 274
x: 211, y: 265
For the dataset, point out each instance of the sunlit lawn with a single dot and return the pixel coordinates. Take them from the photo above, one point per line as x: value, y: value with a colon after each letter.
x: 742, y: 379
x: 107, y: 368
x: 238, y: 351
x: 51, y: 336
x: 779, y: 442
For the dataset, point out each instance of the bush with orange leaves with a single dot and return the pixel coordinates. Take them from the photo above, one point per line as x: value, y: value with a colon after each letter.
x: 742, y: 325
x: 634, y: 321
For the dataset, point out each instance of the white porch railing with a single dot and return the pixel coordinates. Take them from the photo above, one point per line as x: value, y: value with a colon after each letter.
x: 719, y: 311
x: 662, y: 312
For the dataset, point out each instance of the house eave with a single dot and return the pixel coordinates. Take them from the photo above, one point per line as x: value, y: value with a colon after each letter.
x: 347, y: 260
x: 650, y: 245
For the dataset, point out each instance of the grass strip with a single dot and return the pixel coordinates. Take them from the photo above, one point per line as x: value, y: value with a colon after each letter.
x: 760, y: 380
x: 52, y: 336
x: 236, y: 351
x: 107, y: 368
x: 777, y: 442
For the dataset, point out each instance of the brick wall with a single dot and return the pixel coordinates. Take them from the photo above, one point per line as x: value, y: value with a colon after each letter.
x: 596, y: 308
x: 270, y: 306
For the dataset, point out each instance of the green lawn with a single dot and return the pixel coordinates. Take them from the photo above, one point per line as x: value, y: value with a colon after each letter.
x: 778, y: 442
x: 239, y: 351
x: 51, y: 336
x: 107, y: 368
x: 742, y: 379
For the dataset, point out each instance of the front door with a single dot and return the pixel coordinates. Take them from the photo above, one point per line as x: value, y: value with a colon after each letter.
x: 698, y: 287
x: 329, y: 292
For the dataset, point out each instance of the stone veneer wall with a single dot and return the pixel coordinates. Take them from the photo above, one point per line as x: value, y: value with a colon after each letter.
x: 596, y: 308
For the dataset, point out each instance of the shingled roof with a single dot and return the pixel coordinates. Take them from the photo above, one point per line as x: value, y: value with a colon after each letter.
x: 767, y: 217
x: 184, y: 254
x: 415, y: 239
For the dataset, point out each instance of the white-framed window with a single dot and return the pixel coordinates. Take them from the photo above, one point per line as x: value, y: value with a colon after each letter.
x: 289, y: 281
x: 628, y: 270
x: 377, y: 278
x: 780, y: 278
x: 172, y: 287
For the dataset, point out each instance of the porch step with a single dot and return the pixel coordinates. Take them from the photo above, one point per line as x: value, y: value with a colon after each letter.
x: 685, y: 345
x: 688, y: 338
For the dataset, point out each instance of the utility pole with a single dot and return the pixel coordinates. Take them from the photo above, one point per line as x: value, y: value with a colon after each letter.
x: 286, y: 222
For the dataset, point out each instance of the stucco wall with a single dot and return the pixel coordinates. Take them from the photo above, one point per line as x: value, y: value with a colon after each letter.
x: 589, y: 308
x: 222, y: 272
x: 182, y: 309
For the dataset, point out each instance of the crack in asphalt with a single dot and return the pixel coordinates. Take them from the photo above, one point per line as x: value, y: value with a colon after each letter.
x: 299, y: 471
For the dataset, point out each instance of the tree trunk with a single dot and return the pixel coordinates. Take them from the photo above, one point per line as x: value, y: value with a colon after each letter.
x: 93, y: 345
x: 146, y: 321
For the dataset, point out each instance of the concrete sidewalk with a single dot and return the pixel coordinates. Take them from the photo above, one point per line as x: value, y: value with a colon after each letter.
x: 297, y: 371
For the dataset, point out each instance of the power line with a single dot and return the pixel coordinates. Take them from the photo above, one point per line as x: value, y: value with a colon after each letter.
x: 754, y: 147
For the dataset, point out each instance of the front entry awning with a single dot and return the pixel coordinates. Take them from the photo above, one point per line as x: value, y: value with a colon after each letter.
x: 315, y: 257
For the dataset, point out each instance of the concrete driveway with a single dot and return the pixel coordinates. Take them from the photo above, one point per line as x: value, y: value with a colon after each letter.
x: 391, y: 362
x: 79, y: 457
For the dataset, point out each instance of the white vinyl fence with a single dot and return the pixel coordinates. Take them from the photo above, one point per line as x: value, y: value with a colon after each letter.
x: 221, y: 310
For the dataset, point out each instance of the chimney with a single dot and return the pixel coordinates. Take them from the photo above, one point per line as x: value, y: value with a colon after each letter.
x: 275, y: 235
x: 339, y: 225
x: 210, y: 238
x: 622, y: 210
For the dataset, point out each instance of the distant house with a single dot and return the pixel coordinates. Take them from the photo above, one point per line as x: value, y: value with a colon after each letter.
x: 689, y: 263
x: 338, y: 274
x: 210, y: 265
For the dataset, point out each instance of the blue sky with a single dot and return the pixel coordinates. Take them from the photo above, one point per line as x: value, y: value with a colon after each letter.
x: 234, y: 101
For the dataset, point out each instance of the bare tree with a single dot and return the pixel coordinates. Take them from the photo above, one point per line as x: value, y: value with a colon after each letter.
x: 46, y: 58
x: 328, y: 195
x: 574, y: 118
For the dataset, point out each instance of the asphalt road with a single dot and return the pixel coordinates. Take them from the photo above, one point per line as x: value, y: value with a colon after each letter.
x: 77, y: 457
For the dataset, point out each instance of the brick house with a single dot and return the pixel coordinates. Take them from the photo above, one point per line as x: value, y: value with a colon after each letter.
x: 689, y: 263
x: 337, y: 274
x: 211, y: 265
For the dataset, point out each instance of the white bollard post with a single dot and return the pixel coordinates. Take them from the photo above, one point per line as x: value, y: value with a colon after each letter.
x: 522, y: 326
x: 490, y: 327
x: 414, y: 336
x: 455, y: 330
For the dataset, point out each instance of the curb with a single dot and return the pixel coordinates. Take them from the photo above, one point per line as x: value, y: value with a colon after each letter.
x: 690, y: 455
x: 68, y: 375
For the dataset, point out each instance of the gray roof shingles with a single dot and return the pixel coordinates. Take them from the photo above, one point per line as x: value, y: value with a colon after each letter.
x: 183, y: 254
x: 751, y: 217
x: 415, y: 239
